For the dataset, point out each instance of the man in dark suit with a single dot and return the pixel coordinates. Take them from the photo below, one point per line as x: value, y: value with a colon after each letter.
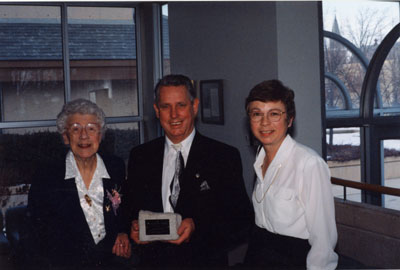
x: 212, y: 201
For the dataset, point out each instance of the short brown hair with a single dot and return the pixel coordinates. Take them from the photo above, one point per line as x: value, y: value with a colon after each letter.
x: 273, y: 90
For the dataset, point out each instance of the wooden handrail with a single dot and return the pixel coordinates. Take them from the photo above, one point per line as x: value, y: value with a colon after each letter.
x: 365, y: 186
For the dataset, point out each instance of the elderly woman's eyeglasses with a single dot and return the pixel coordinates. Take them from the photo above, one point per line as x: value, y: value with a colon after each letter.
x: 273, y: 115
x: 91, y: 129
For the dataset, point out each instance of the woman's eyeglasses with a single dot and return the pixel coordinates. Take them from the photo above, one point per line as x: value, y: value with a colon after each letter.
x: 90, y: 128
x: 273, y: 115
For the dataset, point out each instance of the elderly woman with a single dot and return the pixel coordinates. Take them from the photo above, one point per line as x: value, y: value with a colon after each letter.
x: 74, y: 203
x: 292, y: 198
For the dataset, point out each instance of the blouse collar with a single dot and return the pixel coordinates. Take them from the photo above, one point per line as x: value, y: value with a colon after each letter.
x: 72, y: 171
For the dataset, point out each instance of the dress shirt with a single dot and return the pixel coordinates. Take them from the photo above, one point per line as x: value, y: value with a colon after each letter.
x: 295, y: 199
x: 170, y: 155
x: 93, y: 214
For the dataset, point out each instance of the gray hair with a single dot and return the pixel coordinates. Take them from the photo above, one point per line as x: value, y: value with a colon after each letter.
x: 81, y: 106
x: 175, y: 80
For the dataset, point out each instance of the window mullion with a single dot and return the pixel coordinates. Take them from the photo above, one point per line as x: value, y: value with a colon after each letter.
x: 65, y: 52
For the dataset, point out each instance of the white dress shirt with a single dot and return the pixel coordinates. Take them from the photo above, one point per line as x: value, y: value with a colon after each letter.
x: 295, y: 199
x: 94, y: 213
x: 169, y: 167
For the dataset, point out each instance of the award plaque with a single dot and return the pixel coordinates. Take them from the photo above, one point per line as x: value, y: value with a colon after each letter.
x: 158, y: 226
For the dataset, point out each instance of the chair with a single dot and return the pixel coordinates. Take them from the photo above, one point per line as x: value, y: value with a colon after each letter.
x: 22, y: 239
x: 15, y: 219
x: 4, y: 244
x: 16, y: 231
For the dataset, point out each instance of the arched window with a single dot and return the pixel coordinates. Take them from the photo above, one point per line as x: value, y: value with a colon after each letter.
x: 362, y: 88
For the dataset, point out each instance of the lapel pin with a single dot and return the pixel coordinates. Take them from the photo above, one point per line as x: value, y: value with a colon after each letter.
x: 88, y: 200
x: 204, y: 186
x: 197, y: 175
x: 107, y: 208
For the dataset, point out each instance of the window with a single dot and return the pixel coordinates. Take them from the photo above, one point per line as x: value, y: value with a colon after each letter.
x: 165, y: 40
x: 343, y: 158
x: 362, y: 88
x: 46, y: 59
x: 391, y: 172
x: 31, y: 66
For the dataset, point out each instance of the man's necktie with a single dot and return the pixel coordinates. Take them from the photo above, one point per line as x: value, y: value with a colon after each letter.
x: 175, y: 185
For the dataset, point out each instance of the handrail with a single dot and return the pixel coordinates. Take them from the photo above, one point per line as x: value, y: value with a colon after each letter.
x: 365, y: 186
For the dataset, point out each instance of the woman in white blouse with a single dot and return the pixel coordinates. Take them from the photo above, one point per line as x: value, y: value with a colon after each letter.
x: 292, y: 197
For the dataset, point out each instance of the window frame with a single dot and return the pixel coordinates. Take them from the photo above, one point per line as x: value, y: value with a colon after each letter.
x: 66, y: 63
x: 373, y: 128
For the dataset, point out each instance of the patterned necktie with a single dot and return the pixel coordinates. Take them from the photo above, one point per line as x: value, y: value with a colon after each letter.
x: 175, y: 185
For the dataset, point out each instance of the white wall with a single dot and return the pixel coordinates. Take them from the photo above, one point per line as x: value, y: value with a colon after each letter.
x: 241, y: 43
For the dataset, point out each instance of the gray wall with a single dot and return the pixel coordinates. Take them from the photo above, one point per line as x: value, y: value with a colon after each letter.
x: 299, y: 66
x: 244, y: 43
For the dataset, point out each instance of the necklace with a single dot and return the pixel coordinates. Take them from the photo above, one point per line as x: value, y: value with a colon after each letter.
x: 273, y: 180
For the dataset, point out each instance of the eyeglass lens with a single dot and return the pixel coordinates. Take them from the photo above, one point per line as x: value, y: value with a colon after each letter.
x: 90, y: 128
x: 272, y: 115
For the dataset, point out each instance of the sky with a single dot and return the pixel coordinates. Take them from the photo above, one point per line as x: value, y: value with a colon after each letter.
x: 348, y: 10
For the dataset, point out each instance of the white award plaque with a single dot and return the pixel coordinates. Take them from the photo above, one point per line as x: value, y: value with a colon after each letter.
x: 158, y: 226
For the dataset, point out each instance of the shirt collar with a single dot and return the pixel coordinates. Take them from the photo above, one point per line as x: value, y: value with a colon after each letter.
x: 186, y: 143
x: 71, y: 169
x: 285, y: 149
x: 282, y: 154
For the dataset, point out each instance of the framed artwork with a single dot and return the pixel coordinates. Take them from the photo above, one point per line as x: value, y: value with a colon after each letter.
x: 212, y: 102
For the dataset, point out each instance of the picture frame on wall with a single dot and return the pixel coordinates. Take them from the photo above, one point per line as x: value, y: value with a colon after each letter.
x: 212, y: 102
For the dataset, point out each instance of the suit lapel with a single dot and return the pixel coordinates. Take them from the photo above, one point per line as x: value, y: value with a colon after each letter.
x: 107, y: 207
x: 156, y: 169
x: 159, y: 160
x: 72, y: 208
x: 194, y: 161
x: 151, y: 172
x: 192, y: 171
x: 71, y: 197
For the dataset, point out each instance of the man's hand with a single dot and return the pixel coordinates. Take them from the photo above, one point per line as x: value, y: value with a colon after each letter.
x: 122, y: 247
x: 135, y: 233
x: 184, y: 231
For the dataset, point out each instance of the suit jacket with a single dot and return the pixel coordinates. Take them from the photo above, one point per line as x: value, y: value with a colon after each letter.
x: 212, y: 194
x: 59, y: 225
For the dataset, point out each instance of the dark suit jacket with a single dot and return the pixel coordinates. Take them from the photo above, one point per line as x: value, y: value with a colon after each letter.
x: 59, y: 225
x: 212, y: 194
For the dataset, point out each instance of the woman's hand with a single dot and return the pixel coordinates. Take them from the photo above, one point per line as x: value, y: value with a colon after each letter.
x: 122, y: 246
x: 135, y: 233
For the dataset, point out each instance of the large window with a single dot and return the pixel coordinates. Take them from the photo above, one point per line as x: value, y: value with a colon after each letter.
x: 362, y: 88
x: 31, y: 67
x: 51, y: 54
x: 165, y: 40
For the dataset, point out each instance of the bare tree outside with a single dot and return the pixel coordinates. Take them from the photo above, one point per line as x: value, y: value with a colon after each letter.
x: 389, y: 78
x: 340, y: 62
x: 365, y: 27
